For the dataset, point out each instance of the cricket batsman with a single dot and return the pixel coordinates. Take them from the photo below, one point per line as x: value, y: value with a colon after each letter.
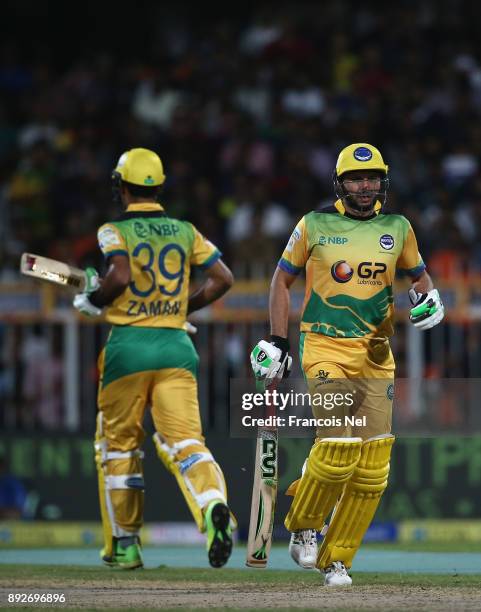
x: 149, y: 360
x: 350, y: 252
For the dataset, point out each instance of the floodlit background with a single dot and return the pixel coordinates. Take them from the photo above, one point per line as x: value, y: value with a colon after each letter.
x: 248, y: 113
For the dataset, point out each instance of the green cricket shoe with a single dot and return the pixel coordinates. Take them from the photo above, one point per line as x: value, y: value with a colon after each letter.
x: 219, y: 533
x: 127, y: 554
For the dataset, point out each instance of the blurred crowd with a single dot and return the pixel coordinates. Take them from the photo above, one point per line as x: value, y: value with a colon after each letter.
x: 248, y: 116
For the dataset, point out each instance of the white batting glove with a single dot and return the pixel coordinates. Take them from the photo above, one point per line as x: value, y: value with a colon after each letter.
x: 428, y: 309
x: 82, y: 303
x: 269, y: 362
x: 189, y: 328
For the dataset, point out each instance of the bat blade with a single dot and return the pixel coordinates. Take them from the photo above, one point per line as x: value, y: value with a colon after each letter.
x: 52, y: 271
x: 264, y: 495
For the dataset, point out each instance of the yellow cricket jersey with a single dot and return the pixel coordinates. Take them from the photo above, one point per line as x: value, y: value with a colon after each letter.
x: 350, y: 268
x: 161, y: 251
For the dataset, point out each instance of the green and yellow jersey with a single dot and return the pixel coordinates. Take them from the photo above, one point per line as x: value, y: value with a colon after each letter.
x: 161, y: 251
x: 350, y: 268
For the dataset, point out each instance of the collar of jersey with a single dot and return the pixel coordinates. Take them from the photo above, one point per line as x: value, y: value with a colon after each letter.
x: 341, y: 209
x: 145, y: 207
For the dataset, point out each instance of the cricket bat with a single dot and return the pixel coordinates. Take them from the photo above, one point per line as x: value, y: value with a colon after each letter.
x: 264, y: 495
x: 53, y: 271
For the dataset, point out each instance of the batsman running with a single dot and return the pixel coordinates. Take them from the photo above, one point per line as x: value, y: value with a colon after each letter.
x: 149, y: 360
x: 350, y: 252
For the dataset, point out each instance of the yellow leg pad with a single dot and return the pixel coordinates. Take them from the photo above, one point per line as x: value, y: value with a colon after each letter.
x: 199, y: 477
x: 127, y: 501
x: 121, y: 495
x: 358, y: 504
x: 106, y: 524
x: 330, y: 465
x: 292, y: 488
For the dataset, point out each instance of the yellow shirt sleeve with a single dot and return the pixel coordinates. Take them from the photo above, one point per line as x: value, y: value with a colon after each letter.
x: 111, y: 241
x: 295, y: 254
x: 204, y: 253
x: 410, y: 261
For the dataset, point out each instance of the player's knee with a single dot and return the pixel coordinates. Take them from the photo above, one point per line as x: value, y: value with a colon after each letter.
x: 185, y: 453
x: 334, y: 459
x: 372, y: 471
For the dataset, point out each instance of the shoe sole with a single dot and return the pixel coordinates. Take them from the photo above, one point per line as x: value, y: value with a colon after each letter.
x: 333, y: 585
x: 221, y: 547
x: 131, y: 566
x: 117, y: 565
x: 109, y: 562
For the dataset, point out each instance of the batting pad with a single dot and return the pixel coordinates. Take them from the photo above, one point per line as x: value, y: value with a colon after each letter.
x: 358, y: 504
x: 199, y: 477
x: 330, y: 465
x: 121, y: 489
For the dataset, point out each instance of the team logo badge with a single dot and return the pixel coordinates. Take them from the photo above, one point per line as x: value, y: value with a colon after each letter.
x: 295, y: 236
x: 386, y: 241
x: 341, y: 271
x: 362, y: 154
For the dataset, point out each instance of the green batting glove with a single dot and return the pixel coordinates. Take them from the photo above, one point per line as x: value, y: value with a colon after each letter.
x: 428, y: 309
x: 92, y: 281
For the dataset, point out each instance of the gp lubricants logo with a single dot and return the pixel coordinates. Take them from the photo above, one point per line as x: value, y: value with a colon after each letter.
x: 341, y: 271
x: 367, y: 271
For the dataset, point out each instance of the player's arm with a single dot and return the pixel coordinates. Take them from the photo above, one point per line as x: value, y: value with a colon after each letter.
x: 279, y: 301
x: 271, y: 360
x: 114, y: 283
x: 219, y: 280
x: 428, y: 309
x: 423, y: 284
x: 102, y: 292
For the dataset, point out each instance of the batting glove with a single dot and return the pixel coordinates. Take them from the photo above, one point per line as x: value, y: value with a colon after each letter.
x: 270, y: 360
x: 92, y: 280
x: 82, y: 303
x: 428, y: 309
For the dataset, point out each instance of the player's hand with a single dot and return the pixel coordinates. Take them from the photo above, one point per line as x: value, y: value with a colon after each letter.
x: 270, y: 360
x: 92, y: 280
x: 82, y: 303
x: 428, y: 309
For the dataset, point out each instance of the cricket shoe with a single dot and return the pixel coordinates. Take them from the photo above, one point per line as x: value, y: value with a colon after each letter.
x: 336, y: 575
x: 303, y: 548
x: 219, y: 533
x: 127, y: 554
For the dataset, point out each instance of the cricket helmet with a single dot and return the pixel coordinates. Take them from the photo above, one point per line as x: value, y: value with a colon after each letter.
x: 360, y: 156
x: 140, y: 167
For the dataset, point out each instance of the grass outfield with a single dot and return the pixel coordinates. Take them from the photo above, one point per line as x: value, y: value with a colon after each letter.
x: 433, y: 546
x: 441, y: 547
x: 60, y: 573
x: 229, y: 589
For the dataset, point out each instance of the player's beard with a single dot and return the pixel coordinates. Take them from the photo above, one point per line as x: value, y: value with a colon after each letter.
x: 362, y: 202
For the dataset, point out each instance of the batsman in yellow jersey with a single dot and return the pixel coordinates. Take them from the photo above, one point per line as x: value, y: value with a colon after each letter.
x: 350, y: 252
x: 149, y: 360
